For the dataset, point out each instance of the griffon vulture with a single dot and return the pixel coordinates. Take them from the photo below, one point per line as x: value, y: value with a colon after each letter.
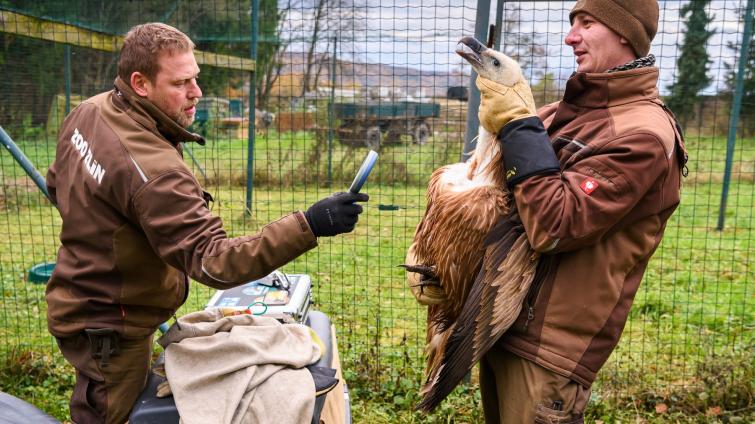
x: 470, y: 260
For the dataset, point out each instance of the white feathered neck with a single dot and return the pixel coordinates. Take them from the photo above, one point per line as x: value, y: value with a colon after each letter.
x: 479, y: 169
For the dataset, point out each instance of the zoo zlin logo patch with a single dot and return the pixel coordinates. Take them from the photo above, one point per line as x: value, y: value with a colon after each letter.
x: 84, y: 148
x: 588, y: 186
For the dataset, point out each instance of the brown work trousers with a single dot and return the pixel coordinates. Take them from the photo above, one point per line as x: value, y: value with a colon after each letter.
x: 106, y: 394
x: 518, y: 391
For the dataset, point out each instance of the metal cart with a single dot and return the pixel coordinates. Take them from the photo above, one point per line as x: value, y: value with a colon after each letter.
x: 374, y: 123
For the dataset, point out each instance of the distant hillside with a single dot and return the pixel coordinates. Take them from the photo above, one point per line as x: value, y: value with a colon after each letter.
x: 378, y: 75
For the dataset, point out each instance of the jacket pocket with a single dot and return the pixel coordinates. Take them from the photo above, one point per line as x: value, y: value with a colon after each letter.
x: 146, y: 280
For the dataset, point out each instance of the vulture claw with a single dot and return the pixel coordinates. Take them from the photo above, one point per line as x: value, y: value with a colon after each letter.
x: 427, y: 289
x: 433, y: 282
x: 427, y: 271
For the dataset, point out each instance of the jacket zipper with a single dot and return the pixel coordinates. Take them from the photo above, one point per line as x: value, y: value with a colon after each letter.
x: 530, y: 316
x: 531, y: 299
x: 530, y: 311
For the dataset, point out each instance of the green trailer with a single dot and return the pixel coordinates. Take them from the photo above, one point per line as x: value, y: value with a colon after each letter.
x: 375, y: 123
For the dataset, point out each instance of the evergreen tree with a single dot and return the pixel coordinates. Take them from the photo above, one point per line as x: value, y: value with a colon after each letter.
x: 693, y: 62
x: 747, y: 122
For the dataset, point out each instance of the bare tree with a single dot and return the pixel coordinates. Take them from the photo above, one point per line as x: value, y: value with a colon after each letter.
x: 272, y: 46
x: 319, y: 7
x: 527, y: 48
x: 333, y: 19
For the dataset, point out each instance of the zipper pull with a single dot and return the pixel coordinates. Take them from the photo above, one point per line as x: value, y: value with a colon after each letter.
x: 530, y: 316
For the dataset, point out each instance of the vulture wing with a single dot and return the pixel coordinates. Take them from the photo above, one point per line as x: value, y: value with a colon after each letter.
x: 494, y: 302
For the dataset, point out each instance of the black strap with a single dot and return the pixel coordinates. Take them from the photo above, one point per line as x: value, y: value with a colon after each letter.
x: 527, y: 150
x: 103, y: 343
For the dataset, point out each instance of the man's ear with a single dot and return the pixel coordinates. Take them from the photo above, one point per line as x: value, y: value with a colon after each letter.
x: 623, y: 40
x: 140, y: 84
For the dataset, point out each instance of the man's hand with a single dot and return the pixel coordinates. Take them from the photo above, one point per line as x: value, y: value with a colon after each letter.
x: 335, y: 214
x: 509, y: 113
x: 501, y: 104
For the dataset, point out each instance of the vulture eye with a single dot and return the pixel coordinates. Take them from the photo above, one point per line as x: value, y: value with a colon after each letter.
x: 496, y: 62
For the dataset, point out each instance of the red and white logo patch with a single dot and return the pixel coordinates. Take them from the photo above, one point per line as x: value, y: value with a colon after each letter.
x: 589, y: 185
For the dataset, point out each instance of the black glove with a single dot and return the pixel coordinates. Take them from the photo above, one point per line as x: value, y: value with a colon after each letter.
x: 335, y: 214
x: 527, y: 150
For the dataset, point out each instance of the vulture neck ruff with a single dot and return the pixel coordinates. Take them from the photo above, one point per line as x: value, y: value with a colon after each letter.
x: 479, y: 169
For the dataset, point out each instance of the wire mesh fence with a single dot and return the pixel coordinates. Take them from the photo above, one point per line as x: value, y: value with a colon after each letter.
x: 334, y: 78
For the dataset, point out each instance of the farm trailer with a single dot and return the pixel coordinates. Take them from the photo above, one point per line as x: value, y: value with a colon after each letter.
x: 374, y: 123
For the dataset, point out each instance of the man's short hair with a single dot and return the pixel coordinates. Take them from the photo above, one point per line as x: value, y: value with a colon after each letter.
x: 143, y: 45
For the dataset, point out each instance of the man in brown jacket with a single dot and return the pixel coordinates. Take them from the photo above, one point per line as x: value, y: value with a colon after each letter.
x: 595, y: 178
x: 136, y: 224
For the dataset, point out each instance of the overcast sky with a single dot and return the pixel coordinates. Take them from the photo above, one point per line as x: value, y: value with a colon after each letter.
x: 423, y: 34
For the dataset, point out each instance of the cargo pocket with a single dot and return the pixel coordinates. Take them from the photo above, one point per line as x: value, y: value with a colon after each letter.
x: 88, y: 400
x: 546, y: 415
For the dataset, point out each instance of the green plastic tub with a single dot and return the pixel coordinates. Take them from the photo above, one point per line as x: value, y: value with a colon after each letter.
x: 41, y: 273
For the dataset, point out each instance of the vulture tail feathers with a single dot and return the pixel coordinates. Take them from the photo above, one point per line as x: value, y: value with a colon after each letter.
x: 493, y: 303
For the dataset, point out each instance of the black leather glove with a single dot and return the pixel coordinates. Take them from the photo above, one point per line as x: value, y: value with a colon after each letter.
x: 527, y: 150
x: 335, y: 214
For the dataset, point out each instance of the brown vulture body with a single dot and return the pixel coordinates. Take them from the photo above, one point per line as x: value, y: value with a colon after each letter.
x: 479, y: 264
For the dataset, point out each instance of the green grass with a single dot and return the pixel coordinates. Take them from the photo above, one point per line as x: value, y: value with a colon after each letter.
x: 280, y: 159
x: 686, y: 347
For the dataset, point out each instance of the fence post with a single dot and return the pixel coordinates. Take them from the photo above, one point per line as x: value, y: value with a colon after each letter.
x: 735, y: 109
x: 252, y: 112
x: 25, y: 163
x: 498, y: 24
x: 473, y: 104
x: 331, y: 111
x: 67, y: 71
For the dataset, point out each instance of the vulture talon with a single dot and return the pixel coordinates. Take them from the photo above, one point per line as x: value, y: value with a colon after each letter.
x: 426, y: 271
x: 432, y: 282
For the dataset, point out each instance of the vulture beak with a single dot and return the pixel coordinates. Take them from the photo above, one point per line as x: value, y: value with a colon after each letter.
x: 470, y: 49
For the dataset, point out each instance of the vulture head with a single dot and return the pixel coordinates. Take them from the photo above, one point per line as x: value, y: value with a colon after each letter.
x: 486, y: 161
x: 489, y: 63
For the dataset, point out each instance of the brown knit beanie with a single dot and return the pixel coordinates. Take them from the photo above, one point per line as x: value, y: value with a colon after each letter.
x: 635, y: 20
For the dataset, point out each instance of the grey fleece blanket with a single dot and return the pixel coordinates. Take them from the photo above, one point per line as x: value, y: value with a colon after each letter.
x: 239, y: 369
